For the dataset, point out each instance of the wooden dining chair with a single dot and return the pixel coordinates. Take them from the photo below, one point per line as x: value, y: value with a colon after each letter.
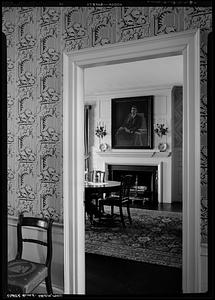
x: 119, y: 199
x: 97, y: 176
x: 25, y: 275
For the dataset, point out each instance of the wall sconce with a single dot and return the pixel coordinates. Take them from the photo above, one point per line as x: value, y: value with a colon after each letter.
x: 100, y: 132
x: 161, y: 130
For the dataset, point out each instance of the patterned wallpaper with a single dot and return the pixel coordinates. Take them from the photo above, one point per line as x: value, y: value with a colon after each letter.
x: 36, y: 39
x: 177, y: 96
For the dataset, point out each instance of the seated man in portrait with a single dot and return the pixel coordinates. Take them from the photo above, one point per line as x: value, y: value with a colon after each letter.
x: 128, y: 133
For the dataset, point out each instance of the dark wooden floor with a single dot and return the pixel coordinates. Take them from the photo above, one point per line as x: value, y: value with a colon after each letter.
x: 174, y: 207
x: 115, y: 276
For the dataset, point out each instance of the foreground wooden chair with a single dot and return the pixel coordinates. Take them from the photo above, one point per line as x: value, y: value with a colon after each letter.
x: 24, y: 275
x: 121, y: 199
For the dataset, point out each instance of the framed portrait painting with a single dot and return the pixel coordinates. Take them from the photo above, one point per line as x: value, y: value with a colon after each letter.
x: 132, y: 123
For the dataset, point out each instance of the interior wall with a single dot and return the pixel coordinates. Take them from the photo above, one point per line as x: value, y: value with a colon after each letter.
x: 36, y: 39
x: 101, y: 111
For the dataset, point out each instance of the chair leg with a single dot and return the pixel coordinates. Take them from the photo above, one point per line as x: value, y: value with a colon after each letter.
x: 91, y: 218
x: 102, y: 209
x: 129, y: 215
x: 121, y: 215
x: 97, y: 203
x: 48, y: 285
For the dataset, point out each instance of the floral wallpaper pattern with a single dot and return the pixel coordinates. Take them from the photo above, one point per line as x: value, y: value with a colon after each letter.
x: 36, y: 39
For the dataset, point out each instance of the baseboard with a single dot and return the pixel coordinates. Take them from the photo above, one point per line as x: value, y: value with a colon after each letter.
x: 204, y: 249
x: 204, y: 267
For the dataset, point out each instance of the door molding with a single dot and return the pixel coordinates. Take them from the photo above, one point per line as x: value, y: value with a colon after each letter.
x: 74, y: 63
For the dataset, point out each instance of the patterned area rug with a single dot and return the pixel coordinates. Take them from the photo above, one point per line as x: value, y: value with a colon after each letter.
x: 154, y: 237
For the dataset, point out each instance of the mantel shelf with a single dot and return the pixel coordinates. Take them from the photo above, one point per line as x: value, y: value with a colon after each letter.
x: 134, y: 153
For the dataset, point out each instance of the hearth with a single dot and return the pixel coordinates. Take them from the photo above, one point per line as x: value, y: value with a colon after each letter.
x: 145, y: 181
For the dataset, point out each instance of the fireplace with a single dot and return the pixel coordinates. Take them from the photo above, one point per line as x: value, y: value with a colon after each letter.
x: 145, y: 181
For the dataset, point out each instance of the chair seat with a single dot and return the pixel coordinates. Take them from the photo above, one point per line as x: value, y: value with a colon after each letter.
x: 96, y: 195
x: 25, y: 275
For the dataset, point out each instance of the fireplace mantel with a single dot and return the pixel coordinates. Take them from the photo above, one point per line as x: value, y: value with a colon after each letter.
x: 153, y: 157
x: 134, y: 153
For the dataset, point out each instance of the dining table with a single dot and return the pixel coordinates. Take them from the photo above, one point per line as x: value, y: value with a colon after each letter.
x: 104, y: 187
x: 91, y: 188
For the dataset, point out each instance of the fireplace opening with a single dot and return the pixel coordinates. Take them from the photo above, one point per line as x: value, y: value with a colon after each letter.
x: 144, y: 188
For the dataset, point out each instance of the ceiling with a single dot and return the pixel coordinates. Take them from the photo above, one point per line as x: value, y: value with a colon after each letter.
x: 152, y: 72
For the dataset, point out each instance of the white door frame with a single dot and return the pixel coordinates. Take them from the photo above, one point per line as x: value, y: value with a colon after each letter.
x: 74, y: 63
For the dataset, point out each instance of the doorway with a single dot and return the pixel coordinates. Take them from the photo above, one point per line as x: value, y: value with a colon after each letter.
x: 185, y: 43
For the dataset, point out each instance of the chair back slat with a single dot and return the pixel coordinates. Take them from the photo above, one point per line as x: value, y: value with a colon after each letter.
x: 125, y: 187
x: 35, y: 241
x: 34, y: 222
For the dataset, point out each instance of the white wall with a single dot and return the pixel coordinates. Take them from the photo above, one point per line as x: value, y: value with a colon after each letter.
x: 37, y: 253
x: 162, y: 114
x: 101, y: 110
x: 144, y: 73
